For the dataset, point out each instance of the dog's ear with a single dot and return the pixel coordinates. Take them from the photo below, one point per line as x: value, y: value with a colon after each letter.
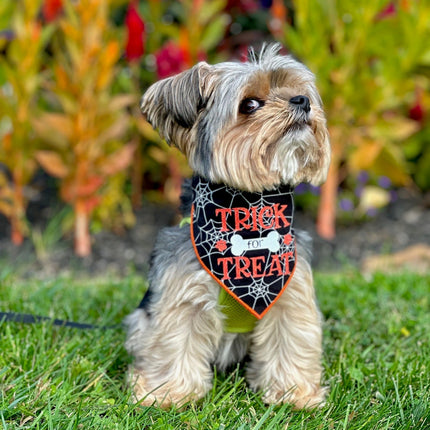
x: 175, y: 102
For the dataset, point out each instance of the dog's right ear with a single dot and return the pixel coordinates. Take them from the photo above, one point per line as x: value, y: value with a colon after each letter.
x: 175, y: 102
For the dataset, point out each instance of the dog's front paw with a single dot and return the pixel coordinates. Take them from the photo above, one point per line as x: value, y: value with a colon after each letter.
x: 300, y: 399
x: 141, y: 394
x: 162, y: 396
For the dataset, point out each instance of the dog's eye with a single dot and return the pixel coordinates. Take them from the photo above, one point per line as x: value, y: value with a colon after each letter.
x: 248, y: 106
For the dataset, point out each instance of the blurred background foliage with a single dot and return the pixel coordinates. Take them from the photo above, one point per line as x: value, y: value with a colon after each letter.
x: 72, y: 73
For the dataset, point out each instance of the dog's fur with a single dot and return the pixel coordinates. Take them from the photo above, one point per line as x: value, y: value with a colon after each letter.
x: 178, y: 335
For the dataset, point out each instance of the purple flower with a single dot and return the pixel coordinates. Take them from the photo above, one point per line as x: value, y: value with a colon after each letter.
x: 266, y: 4
x: 384, y: 182
x: 372, y: 212
x: 346, y: 204
x: 358, y: 190
x: 393, y: 196
x: 301, y: 189
x: 314, y: 190
x: 363, y: 177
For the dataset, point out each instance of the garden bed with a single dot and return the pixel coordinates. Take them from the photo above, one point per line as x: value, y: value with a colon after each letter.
x: 400, y: 225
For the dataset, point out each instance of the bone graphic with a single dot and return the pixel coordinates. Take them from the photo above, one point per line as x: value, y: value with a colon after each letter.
x: 240, y: 245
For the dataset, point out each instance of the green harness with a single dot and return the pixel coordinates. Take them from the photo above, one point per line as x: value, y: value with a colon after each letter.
x: 237, y: 318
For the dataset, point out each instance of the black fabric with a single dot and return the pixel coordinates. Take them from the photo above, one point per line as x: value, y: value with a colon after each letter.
x: 245, y: 240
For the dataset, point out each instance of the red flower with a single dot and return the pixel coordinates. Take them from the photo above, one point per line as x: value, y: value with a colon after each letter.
x: 247, y: 6
x: 416, y: 112
x: 51, y: 9
x: 387, y: 11
x: 135, y: 33
x: 170, y: 60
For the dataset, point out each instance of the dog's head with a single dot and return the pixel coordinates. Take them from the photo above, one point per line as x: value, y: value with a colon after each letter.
x: 252, y: 125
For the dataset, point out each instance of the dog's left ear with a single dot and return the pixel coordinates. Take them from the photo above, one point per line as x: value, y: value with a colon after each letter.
x: 175, y: 102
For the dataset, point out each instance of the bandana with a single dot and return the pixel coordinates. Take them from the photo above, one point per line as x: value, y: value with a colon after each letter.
x: 245, y: 241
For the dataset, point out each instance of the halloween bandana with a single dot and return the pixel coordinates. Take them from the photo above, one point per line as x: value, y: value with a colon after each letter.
x: 245, y: 241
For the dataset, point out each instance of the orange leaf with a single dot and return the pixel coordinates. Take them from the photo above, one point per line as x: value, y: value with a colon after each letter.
x: 73, y: 189
x: 185, y: 46
x: 67, y: 191
x: 90, y: 186
x: 365, y: 155
x: 116, y: 130
x: 121, y: 101
x: 6, y: 208
x: 110, y: 56
x: 119, y: 160
x: 61, y: 77
x: 91, y: 203
x: 54, y: 127
x: 7, y: 142
x: 52, y: 163
x: 146, y: 130
x: 278, y: 10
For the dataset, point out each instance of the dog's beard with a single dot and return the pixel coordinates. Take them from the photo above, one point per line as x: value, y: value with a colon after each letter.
x: 293, y: 153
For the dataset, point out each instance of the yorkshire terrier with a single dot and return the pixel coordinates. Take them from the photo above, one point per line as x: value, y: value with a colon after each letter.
x: 234, y: 279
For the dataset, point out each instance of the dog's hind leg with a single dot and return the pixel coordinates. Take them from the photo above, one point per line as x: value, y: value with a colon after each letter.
x: 286, y: 346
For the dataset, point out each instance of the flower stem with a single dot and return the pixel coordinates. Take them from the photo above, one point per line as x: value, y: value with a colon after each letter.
x: 82, y: 230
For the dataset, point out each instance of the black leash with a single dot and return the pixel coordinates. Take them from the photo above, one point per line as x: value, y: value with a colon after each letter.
x: 37, y: 319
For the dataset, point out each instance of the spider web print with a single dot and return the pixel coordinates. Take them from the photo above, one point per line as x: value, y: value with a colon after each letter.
x: 245, y: 241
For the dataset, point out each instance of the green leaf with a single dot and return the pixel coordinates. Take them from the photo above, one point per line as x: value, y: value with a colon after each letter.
x: 422, y: 176
x: 214, y: 32
x: 210, y: 9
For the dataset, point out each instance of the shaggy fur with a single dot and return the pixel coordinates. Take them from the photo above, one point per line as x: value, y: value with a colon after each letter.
x: 178, y: 335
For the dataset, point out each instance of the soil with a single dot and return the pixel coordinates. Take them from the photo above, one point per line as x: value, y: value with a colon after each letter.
x: 402, y: 224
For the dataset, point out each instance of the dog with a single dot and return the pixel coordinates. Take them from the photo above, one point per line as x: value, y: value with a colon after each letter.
x: 234, y: 280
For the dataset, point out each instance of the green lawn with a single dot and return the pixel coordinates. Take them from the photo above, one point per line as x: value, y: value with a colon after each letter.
x: 377, y: 360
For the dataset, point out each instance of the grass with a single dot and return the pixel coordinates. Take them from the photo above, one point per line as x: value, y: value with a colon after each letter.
x: 377, y: 361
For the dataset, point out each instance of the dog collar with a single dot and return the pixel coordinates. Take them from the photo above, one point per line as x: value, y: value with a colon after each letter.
x: 245, y: 241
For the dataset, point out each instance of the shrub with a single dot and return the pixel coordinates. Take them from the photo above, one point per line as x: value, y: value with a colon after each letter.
x: 85, y: 133
x: 20, y: 80
x: 366, y: 57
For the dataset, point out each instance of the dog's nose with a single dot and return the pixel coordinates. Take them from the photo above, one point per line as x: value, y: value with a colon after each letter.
x: 302, y: 102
